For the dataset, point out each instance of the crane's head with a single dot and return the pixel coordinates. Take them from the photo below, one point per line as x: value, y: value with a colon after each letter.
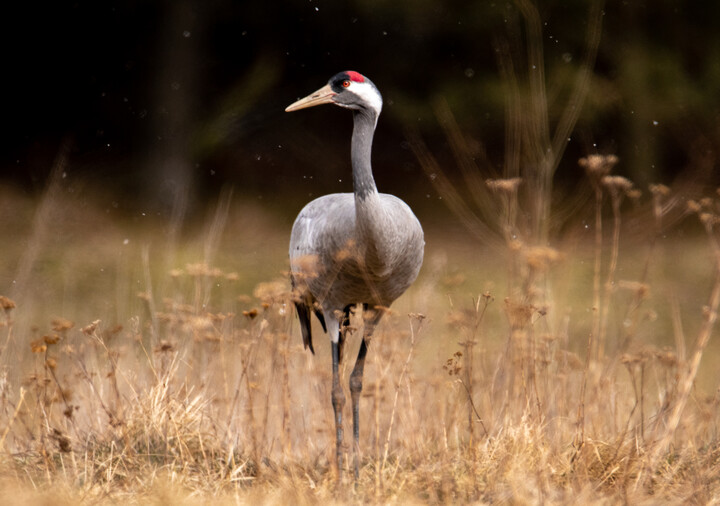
x: 347, y: 89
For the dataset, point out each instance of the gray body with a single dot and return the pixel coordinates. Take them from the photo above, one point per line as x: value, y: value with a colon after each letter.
x: 338, y: 259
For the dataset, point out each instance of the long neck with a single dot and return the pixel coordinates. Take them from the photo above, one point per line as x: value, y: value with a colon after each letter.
x: 373, y: 224
x: 363, y: 181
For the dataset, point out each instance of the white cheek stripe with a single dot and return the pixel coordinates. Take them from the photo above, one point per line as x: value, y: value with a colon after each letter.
x: 369, y: 94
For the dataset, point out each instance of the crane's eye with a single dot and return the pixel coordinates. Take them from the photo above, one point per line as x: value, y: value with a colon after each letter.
x: 346, y: 83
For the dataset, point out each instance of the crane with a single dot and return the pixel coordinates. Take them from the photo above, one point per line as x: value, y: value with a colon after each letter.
x: 354, y: 248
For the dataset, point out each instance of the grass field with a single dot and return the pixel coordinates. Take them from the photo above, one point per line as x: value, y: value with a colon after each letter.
x: 141, y: 365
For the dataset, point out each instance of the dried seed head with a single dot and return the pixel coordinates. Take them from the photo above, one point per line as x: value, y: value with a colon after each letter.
x: 198, y: 270
x: 616, y: 184
x: 540, y: 258
x: 708, y: 219
x: 6, y: 303
x: 659, y: 190
x: 460, y: 318
x: 271, y: 291
x: 201, y: 323
x: 667, y: 357
x: 38, y: 346
x: 597, y: 166
x: 221, y: 317
x: 51, y: 339
x: 250, y: 314
x: 634, y: 194
x: 348, y: 251
x: 305, y: 267
x: 69, y: 410
x: 452, y: 365
x: 706, y: 202
x: 343, y: 255
x: 453, y: 280
x: 164, y: 347
x: 508, y: 186
x: 62, y: 440
x: 693, y: 206
x: 212, y: 338
x: 647, y: 353
x: 61, y: 325
x: 88, y: 330
x: 166, y: 317
x: 515, y: 245
x: 518, y: 314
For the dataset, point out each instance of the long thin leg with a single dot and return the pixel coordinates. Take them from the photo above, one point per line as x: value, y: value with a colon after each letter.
x: 355, y: 390
x: 371, y: 317
x: 338, y: 401
x: 338, y: 396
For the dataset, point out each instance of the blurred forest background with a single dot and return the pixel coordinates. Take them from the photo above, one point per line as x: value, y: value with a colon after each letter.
x: 151, y: 100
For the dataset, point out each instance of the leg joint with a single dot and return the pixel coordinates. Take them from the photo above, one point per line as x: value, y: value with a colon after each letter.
x: 356, y: 381
x: 338, y: 397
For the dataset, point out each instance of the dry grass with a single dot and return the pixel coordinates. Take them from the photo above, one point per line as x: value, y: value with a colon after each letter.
x: 134, y: 371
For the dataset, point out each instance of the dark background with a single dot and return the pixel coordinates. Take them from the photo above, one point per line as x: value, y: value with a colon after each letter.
x: 145, y: 97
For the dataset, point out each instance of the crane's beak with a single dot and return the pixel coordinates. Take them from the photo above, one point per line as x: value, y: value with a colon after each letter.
x: 322, y: 96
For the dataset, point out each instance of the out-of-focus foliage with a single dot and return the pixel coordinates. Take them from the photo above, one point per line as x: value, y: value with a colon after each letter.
x: 206, y: 82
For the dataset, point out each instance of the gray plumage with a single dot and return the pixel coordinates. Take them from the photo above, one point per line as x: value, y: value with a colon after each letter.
x: 354, y: 248
x: 343, y: 255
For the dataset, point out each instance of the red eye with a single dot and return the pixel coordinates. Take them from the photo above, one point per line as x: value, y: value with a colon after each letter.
x: 346, y: 83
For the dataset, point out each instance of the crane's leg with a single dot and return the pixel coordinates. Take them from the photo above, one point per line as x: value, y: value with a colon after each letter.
x: 338, y: 396
x: 338, y: 401
x: 355, y: 390
x: 356, y: 377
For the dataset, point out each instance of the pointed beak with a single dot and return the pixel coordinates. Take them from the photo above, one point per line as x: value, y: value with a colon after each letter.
x: 322, y: 96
